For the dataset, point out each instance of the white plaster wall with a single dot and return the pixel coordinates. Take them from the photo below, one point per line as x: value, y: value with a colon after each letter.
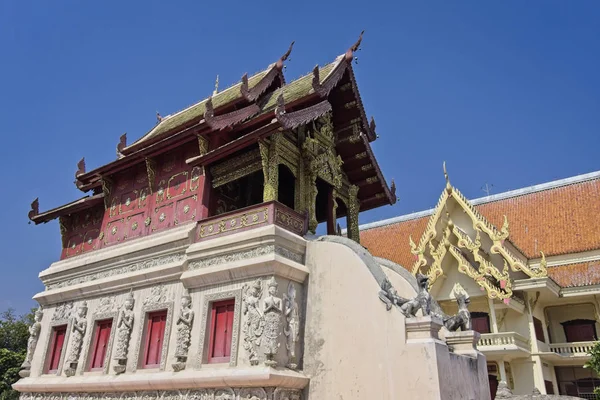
x: 355, y: 349
x: 523, y: 376
x: 514, y: 322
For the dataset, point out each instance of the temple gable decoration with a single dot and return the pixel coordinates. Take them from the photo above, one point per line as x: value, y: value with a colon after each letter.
x: 472, y: 252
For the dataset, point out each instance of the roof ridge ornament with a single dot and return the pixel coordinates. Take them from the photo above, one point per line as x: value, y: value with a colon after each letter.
x: 159, y: 118
x: 217, y: 85
x: 285, y: 57
x: 448, y: 186
x: 354, y: 48
x: 121, y: 145
x: 80, y: 167
x: 35, y: 209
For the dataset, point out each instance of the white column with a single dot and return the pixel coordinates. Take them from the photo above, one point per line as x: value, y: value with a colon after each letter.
x: 493, y: 315
x: 502, y: 372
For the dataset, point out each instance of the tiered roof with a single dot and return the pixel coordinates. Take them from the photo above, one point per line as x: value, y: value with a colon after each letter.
x: 560, y: 217
x: 251, y: 110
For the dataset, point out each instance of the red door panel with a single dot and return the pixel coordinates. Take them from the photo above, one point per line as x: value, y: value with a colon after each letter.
x: 220, y: 333
x: 57, y: 346
x: 156, y: 331
x: 101, y: 343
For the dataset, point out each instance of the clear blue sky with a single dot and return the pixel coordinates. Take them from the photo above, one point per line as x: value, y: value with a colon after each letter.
x: 507, y: 92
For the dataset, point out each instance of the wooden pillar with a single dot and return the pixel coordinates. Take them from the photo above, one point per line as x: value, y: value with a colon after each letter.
x: 353, y: 209
x: 204, y: 183
x: 331, y: 206
x: 270, y: 164
x: 311, y: 199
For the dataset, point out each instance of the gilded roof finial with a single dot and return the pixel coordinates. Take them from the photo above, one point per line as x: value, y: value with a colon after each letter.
x: 448, y: 186
x: 216, y: 86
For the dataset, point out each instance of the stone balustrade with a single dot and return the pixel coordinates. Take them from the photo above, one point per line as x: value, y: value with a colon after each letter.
x: 503, y: 341
x: 576, y: 349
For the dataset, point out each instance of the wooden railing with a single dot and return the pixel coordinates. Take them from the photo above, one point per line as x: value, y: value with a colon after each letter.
x: 263, y: 214
x: 503, y: 339
x: 577, y: 349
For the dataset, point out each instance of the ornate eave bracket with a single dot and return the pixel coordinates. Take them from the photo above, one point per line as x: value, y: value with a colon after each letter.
x: 226, y: 120
x: 292, y: 120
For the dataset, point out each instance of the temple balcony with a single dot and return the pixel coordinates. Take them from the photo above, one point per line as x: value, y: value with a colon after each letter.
x: 504, y: 344
x: 579, y: 350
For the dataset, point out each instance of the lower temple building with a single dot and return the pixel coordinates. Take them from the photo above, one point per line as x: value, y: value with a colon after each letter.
x: 189, y: 271
x: 529, y: 260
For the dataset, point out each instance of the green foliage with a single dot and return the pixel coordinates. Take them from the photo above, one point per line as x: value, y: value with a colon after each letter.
x: 14, y: 332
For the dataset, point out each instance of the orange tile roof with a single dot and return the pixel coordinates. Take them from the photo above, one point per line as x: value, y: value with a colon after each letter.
x: 573, y: 275
x: 560, y: 219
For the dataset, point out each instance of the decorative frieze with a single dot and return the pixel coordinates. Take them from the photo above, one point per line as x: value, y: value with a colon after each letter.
x: 154, y: 262
x: 62, y: 311
x: 245, y: 255
x: 250, y: 393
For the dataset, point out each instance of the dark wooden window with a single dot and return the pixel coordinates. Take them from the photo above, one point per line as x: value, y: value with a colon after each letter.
x: 493, y: 379
x: 56, y: 347
x: 480, y: 322
x: 539, y: 329
x: 155, y: 334
x: 580, y: 330
x: 100, y: 344
x: 221, y: 326
x: 549, y: 387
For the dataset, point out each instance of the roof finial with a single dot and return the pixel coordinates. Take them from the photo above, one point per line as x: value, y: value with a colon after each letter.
x: 448, y: 186
x: 355, y: 47
x: 285, y: 57
x: 121, y: 145
x: 216, y: 86
x: 159, y: 118
x: 80, y: 167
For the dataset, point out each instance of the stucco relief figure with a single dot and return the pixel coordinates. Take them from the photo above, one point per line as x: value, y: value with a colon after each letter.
x: 273, y: 309
x: 124, y: 327
x: 421, y: 302
x: 79, y: 328
x: 255, y: 323
x: 34, y: 335
x: 292, y: 328
x: 224, y: 394
x: 184, y: 332
x: 389, y: 295
x: 461, y: 320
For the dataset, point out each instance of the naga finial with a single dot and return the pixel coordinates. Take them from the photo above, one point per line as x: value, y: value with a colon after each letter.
x: 159, y: 118
x: 285, y: 57
x: 393, y: 187
x: 216, y: 86
x: 355, y: 47
x: 121, y: 145
x: 80, y: 167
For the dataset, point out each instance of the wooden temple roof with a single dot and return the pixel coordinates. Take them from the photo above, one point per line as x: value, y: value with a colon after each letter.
x: 69, y: 208
x: 259, y: 106
x: 558, y: 218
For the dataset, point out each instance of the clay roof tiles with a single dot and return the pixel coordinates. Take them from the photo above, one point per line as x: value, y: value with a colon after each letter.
x: 558, y: 218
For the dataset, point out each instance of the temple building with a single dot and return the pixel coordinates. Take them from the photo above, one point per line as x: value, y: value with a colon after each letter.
x: 529, y: 259
x: 189, y: 271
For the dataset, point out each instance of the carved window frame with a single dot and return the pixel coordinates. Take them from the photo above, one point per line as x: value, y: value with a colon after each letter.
x: 147, y: 309
x: 61, y: 322
x: 112, y: 315
x: 207, y: 301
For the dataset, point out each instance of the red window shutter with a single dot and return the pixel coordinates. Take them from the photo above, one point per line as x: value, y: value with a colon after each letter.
x: 580, y: 330
x: 154, y: 338
x: 102, y: 336
x: 480, y: 322
x: 221, y: 327
x: 539, y: 329
x: 58, y: 340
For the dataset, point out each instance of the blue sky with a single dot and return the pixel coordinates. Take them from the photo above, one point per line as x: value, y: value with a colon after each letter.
x: 507, y: 93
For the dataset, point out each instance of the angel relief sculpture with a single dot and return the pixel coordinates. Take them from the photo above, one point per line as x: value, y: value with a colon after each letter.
x: 79, y: 328
x: 124, y: 326
x: 255, y: 323
x: 34, y: 334
x: 273, y: 308
x: 184, y: 332
x: 292, y: 329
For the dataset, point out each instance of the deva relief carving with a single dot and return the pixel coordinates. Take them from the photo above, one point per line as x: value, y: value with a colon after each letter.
x: 292, y: 325
x: 254, y: 325
x: 79, y: 328
x: 154, y: 262
x: 273, y: 309
x: 184, y: 331
x: 34, y: 335
x: 124, y: 327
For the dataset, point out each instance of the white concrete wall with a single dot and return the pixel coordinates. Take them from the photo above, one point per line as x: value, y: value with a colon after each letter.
x: 355, y: 349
